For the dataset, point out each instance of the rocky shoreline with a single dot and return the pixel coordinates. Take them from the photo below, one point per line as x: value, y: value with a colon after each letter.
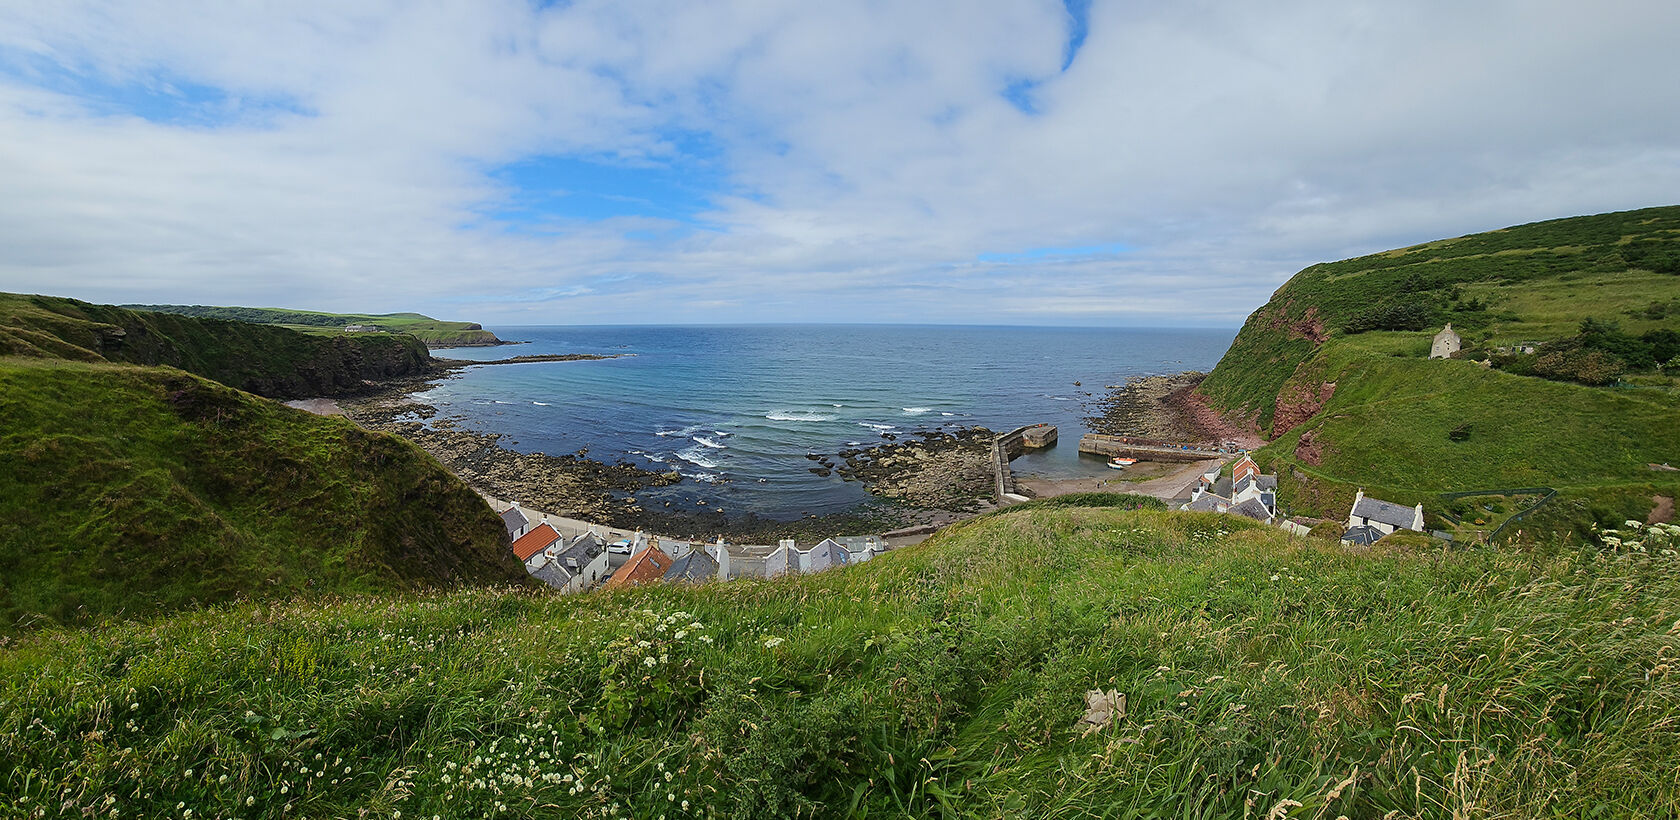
x: 1168, y: 408
x: 933, y: 470
x: 931, y: 478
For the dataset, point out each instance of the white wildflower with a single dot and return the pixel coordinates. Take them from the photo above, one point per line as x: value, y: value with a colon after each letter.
x: 772, y: 643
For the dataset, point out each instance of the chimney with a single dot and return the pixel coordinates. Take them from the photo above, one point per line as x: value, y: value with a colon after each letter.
x: 720, y: 553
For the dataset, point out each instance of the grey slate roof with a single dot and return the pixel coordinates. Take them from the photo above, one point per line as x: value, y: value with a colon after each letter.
x: 859, y: 543
x: 1222, y: 487
x: 583, y: 549
x: 513, y: 519
x: 553, y: 574
x: 1362, y: 535
x: 1252, y: 508
x: 1394, y: 515
x: 694, y: 567
x: 1208, y: 503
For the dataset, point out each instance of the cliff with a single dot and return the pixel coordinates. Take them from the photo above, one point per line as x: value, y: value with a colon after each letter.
x: 266, y: 360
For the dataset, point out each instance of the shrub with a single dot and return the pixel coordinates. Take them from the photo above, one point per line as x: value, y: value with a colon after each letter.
x: 1410, y: 314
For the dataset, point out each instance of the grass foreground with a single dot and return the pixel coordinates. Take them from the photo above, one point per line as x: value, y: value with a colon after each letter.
x: 1262, y: 676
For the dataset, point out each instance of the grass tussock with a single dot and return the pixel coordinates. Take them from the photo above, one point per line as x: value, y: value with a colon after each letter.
x: 1262, y: 676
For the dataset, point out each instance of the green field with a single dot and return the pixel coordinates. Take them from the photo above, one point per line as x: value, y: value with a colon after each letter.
x: 434, y: 332
x: 134, y: 490
x: 1261, y: 676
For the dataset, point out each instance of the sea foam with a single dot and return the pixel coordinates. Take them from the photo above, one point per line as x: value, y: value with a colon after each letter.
x: 798, y: 415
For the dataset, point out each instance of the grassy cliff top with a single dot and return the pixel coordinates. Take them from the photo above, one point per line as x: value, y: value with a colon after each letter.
x: 1334, y: 369
x: 1531, y: 282
x: 134, y: 490
x: 1254, y: 675
x: 434, y: 332
x: 267, y: 360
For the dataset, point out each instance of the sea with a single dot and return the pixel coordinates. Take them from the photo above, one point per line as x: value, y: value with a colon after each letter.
x: 736, y: 410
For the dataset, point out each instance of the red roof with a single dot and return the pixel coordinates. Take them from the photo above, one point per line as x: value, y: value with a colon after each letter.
x: 1244, y: 466
x: 649, y: 565
x: 534, y: 542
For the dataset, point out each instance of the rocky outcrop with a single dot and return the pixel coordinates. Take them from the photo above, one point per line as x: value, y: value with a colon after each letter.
x: 1309, y: 451
x: 1308, y: 325
x: 936, y: 470
x: 1299, y: 402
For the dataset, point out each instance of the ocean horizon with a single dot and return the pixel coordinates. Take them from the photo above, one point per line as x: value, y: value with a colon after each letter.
x: 736, y: 408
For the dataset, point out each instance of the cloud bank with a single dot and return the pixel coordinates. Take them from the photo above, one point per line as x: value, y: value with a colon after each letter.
x: 974, y: 162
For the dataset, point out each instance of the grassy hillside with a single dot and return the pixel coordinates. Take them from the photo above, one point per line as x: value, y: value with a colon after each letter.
x: 133, y: 490
x: 1261, y: 676
x: 269, y: 361
x: 1349, y: 406
x: 434, y: 332
x: 1531, y: 283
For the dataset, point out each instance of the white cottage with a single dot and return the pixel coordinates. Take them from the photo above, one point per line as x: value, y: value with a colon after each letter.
x: 1382, y: 516
x: 1446, y: 343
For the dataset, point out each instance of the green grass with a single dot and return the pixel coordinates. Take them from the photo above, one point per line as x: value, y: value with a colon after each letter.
x: 434, y: 332
x: 1261, y: 674
x: 269, y: 361
x: 1386, y: 428
x: 132, y: 490
x: 1537, y: 282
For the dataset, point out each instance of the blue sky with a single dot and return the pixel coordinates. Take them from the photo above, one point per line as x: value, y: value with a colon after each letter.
x: 1059, y: 162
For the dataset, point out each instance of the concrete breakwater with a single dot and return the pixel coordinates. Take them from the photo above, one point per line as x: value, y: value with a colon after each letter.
x: 1144, y: 449
x: 1011, y: 444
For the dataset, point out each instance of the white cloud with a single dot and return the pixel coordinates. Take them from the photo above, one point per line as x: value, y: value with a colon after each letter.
x: 869, y: 155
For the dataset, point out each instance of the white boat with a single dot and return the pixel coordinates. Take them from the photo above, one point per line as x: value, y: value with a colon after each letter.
x: 1121, y: 463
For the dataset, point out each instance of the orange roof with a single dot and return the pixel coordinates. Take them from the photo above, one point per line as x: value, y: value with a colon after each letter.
x: 534, y: 542
x: 649, y: 565
x: 1244, y: 466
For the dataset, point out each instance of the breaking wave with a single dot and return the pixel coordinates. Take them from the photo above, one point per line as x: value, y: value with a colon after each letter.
x: 799, y: 415
x: 697, y: 456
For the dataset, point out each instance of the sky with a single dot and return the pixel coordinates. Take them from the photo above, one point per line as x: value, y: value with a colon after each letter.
x: 1024, y: 162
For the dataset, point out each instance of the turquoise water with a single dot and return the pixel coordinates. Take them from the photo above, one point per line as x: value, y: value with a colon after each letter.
x: 735, y: 409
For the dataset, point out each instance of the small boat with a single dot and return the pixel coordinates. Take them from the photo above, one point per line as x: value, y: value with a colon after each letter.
x: 1121, y: 463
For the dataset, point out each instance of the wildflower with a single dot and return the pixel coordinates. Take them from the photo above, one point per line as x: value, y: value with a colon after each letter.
x: 772, y: 643
x: 681, y: 633
x: 250, y: 800
x: 648, y: 661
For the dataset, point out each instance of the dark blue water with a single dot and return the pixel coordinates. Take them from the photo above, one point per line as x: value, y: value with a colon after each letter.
x: 735, y: 409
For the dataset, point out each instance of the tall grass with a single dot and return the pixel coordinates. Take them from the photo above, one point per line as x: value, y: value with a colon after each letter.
x: 1262, y: 676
